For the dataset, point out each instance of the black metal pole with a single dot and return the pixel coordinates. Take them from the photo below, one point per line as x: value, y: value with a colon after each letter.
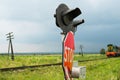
x: 10, y: 37
x: 81, y: 47
x: 9, y: 48
x: 12, y: 54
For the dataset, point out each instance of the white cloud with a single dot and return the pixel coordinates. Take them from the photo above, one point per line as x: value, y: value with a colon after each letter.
x: 94, y: 3
x: 33, y: 24
x: 19, y: 47
x: 24, y: 33
x: 21, y: 27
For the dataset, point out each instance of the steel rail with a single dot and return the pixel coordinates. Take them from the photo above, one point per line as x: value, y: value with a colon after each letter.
x: 92, y: 59
x: 25, y: 67
x: 43, y: 65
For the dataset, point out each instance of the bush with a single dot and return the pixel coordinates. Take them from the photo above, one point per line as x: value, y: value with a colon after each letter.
x: 102, y: 51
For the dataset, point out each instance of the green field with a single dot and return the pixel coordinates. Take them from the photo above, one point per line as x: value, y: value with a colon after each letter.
x: 106, y: 69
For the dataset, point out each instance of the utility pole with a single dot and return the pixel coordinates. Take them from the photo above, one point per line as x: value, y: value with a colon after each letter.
x: 10, y: 46
x: 81, y: 48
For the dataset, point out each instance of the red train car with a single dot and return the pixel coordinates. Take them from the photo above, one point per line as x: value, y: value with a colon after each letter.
x: 112, y: 51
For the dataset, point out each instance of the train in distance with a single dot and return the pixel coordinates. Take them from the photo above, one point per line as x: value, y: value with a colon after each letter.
x: 112, y: 50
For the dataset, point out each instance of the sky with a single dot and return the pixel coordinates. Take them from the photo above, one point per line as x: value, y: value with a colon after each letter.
x: 33, y: 25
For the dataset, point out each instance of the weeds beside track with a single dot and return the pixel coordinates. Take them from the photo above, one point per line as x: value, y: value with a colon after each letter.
x: 43, y: 65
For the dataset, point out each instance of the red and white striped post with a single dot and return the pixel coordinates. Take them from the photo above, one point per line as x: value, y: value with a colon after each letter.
x: 68, y: 54
x: 71, y: 71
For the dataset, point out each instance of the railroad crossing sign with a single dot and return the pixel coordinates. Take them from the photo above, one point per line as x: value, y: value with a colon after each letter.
x: 64, y: 18
x: 68, y: 52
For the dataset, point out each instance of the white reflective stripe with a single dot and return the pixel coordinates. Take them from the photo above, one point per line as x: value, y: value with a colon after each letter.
x: 65, y: 58
x: 66, y: 73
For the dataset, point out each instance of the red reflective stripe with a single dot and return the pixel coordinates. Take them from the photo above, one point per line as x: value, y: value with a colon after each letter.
x: 69, y: 41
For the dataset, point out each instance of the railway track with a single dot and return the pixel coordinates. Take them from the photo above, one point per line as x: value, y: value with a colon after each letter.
x: 25, y: 67
x: 91, y: 60
x: 44, y: 65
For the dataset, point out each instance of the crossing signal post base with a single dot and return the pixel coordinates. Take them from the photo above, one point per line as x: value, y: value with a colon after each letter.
x: 78, y: 71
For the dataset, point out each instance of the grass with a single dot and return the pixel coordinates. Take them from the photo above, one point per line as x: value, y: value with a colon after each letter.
x: 106, y: 69
x: 44, y: 73
x: 5, y: 61
x: 103, y: 69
